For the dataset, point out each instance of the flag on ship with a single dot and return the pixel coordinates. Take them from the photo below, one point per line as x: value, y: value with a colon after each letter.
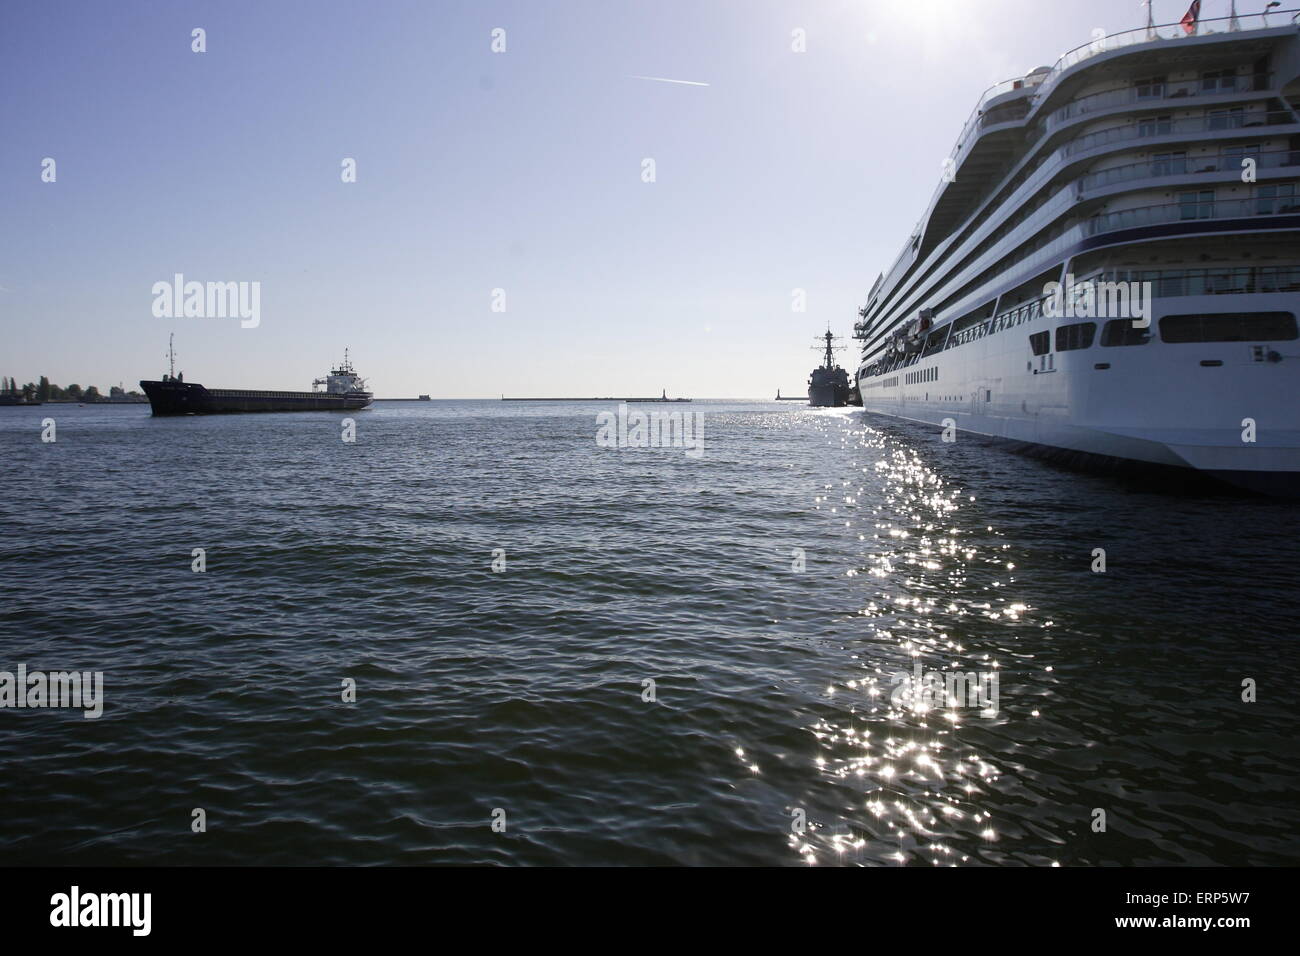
x: 1191, y: 16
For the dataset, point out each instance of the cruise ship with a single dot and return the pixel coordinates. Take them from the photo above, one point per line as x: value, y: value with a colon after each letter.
x: 1109, y: 270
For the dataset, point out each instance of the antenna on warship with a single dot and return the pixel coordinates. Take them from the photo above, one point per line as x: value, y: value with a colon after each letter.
x: 830, y: 347
x: 171, y: 354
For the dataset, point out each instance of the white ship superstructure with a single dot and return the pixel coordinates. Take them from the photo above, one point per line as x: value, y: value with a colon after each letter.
x: 1168, y: 155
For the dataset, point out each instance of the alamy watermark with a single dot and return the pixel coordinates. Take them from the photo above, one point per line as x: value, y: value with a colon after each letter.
x: 179, y: 299
x: 1099, y: 300
x: 38, y: 689
x: 926, y: 690
x: 634, y: 428
x: 77, y: 908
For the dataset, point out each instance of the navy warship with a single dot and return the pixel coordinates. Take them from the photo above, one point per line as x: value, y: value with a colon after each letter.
x: 828, y: 386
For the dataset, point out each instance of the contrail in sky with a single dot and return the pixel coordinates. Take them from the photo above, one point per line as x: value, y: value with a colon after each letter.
x: 664, y: 79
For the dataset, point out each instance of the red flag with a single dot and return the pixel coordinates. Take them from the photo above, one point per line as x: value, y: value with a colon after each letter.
x: 1191, y: 16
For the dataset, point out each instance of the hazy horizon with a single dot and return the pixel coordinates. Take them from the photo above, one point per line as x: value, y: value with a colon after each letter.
x: 476, y: 171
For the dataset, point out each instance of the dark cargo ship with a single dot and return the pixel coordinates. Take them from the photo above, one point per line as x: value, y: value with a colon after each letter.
x: 828, y: 386
x: 343, y: 390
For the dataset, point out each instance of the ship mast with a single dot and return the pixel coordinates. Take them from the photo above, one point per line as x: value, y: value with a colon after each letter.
x: 831, y: 348
x: 171, y: 354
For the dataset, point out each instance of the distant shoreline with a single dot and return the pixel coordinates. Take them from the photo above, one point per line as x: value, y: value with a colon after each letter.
x: 76, y: 401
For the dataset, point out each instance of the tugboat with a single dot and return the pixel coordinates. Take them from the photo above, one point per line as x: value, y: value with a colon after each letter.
x: 828, y: 386
x: 344, y: 390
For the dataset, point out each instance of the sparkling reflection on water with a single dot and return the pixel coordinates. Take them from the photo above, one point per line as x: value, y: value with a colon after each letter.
x: 946, y: 779
x: 915, y: 779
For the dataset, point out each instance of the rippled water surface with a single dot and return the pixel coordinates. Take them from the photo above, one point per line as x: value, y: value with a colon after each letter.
x: 775, y: 590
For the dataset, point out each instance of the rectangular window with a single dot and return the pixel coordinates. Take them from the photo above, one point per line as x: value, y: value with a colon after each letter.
x: 1168, y: 164
x: 1155, y: 125
x: 1233, y: 155
x: 1121, y: 332
x: 1040, y: 342
x: 1151, y: 87
x: 1078, y: 335
x: 1275, y: 198
x: 1219, y: 282
x: 1234, y: 118
x: 1169, y: 283
x: 1218, y: 80
x: 1197, y: 204
x: 1235, y: 327
x: 1278, y: 279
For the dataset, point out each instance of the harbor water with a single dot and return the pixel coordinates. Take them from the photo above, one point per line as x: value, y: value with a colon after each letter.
x: 569, y: 653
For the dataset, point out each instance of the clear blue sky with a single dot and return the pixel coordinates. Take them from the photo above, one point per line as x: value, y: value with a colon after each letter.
x: 476, y: 171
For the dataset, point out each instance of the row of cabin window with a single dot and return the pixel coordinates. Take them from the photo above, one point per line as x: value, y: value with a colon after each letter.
x: 1153, y: 87
x: 1224, y: 281
x: 1233, y: 117
x: 1270, y: 200
x: 1174, y: 163
x: 1117, y: 332
x: 1243, y: 327
x: 1216, y: 327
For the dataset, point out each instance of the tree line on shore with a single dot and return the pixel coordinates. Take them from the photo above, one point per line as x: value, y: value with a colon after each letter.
x: 47, y: 391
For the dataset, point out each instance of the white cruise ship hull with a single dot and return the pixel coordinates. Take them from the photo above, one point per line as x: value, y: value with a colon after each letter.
x: 1156, y: 404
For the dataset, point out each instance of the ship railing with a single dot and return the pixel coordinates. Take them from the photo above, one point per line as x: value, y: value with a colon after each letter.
x: 1226, y: 280
x: 1039, y: 253
x: 1156, y: 94
x: 1170, y: 127
x: 1135, y: 131
x: 1206, y: 26
x: 1184, y: 165
x: 1193, y: 210
x: 1231, y: 280
x: 1061, y: 200
x: 1036, y: 255
x: 1234, y: 280
x: 1032, y: 181
x: 1168, y: 32
x: 1067, y: 195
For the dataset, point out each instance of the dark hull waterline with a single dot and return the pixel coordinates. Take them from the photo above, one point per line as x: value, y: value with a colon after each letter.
x: 190, y: 398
